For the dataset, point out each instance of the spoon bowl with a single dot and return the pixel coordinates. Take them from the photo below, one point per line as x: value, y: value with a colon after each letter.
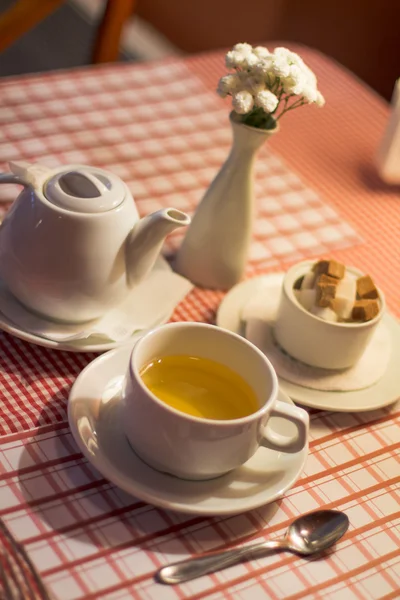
x: 316, y: 531
x: 309, y: 534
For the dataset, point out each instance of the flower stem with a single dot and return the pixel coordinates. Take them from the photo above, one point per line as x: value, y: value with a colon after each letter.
x: 286, y: 108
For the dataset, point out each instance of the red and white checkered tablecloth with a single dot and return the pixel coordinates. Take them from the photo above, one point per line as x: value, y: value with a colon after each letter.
x: 161, y: 127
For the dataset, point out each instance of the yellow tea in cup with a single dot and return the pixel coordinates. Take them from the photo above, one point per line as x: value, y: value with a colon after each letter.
x: 200, y: 387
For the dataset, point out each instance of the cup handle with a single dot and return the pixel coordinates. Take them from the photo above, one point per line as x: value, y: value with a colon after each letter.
x: 277, y: 441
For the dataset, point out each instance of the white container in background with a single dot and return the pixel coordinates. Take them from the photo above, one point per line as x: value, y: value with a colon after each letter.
x: 388, y: 155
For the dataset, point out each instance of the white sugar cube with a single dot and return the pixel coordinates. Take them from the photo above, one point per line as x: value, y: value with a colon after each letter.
x: 307, y: 298
x: 347, y: 288
x: 345, y: 297
x: 325, y: 313
x: 308, y: 281
x: 343, y: 307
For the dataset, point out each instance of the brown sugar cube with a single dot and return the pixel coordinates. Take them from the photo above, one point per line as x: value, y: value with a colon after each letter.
x: 366, y: 288
x: 325, y: 293
x: 330, y: 267
x: 324, y: 278
x: 365, y: 310
x: 320, y: 267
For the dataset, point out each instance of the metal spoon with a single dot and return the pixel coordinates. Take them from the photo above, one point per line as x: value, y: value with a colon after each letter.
x: 308, y: 534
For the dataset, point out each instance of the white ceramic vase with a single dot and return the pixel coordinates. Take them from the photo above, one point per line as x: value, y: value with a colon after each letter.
x: 214, y: 251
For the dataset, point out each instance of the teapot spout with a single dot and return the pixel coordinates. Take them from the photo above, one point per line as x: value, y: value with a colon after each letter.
x: 146, y: 239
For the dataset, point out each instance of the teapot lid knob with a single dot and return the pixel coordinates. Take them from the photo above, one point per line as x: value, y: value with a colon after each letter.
x: 85, y: 190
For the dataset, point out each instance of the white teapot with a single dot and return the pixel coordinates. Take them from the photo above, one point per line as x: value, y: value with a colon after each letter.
x: 72, y: 244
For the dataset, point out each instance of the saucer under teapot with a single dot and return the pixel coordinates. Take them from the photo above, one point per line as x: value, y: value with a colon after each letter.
x: 72, y: 244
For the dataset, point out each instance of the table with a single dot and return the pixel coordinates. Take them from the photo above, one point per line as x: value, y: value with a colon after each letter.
x: 160, y: 127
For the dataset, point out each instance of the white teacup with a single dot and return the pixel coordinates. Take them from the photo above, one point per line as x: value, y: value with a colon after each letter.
x: 192, y: 447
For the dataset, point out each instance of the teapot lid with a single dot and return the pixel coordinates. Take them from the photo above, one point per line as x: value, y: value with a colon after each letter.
x: 85, y: 190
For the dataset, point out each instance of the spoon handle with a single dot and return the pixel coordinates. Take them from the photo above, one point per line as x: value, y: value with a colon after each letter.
x: 196, y: 567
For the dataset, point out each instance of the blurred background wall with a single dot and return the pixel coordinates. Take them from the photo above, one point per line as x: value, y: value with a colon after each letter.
x: 363, y: 35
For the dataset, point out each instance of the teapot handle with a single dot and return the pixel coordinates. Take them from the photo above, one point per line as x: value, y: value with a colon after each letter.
x: 10, y: 178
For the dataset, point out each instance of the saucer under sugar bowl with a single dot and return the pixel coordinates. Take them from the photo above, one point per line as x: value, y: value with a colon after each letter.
x: 313, y: 340
x: 72, y: 246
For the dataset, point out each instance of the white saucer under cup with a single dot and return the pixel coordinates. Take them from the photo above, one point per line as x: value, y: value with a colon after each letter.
x: 95, y: 421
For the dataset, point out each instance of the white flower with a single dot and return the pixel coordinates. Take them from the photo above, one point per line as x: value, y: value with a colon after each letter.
x: 245, y: 48
x: 261, y: 52
x: 228, y: 85
x: 284, y: 61
x: 250, y: 60
x: 296, y: 78
x: 266, y: 100
x: 263, y: 69
x: 310, y: 91
x: 294, y: 83
x: 241, y: 59
x: 303, y: 83
x: 241, y: 56
x: 281, y: 51
x: 309, y: 94
x: 290, y: 57
x: 320, y: 101
x: 280, y: 66
x: 310, y: 76
x: 235, y: 59
x: 253, y: 84
x: 242, y: 102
